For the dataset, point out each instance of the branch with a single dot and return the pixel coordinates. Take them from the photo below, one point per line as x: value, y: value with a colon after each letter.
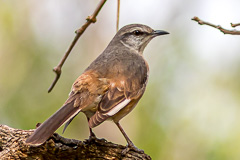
x: 79, y: 32
x: 235, y: 25
x: 12, y: 146
x: 223, y: 30
x: 118, y: 12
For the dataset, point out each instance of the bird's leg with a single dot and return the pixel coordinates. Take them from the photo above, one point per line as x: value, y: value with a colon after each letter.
x: 92, y: 135
x: 130, y: 145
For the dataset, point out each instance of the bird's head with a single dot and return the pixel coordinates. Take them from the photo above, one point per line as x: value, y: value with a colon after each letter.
x: 136, y: 36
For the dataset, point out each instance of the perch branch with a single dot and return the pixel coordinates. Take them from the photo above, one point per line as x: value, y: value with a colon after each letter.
x: 223, y: 30
x: 79, y: 32
x: 13, y: 146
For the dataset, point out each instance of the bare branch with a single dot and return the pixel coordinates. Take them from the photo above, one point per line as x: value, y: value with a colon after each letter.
x: 118, y: 12
x: 235, y: 24
x: 223, y: 30
x: 79, y: 32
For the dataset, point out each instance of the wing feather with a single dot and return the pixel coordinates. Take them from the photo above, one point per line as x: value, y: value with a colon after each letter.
x: 119, y: 95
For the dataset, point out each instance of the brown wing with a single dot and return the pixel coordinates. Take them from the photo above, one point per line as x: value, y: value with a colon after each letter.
x: 120, y: 94
x: 84, y: 92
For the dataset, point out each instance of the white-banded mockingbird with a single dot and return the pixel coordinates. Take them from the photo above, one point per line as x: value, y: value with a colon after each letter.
x: 109, y: 88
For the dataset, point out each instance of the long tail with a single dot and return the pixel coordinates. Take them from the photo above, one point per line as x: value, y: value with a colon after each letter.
x: 45, y: 130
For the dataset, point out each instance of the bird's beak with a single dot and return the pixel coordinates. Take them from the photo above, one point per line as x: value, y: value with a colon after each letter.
x: 159, y: 32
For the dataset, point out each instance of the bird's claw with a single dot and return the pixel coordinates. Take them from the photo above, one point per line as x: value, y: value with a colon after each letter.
x: 133, y: 148
x: 92, y: 138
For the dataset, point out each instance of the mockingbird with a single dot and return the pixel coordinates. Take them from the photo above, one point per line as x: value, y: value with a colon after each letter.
x: 109, y: 88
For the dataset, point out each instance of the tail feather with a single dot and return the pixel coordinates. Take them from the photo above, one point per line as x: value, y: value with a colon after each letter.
x: 68, y: 122
x: 45, y: 130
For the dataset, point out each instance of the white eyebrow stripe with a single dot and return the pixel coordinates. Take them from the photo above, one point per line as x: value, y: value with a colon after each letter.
x: 118, y: 107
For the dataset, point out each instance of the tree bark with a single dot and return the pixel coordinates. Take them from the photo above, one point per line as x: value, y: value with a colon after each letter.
x: 13, y: 146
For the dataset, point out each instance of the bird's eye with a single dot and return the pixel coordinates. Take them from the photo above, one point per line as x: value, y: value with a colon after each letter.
x: 137, y: 32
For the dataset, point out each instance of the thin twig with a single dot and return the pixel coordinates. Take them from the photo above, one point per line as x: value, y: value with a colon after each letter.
x: 118, y: 12
x: 79, y: 32
x: 223, y: 30
x: 235, y: 25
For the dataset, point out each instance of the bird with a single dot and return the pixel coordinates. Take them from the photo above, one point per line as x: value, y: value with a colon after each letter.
x: 109, y: 88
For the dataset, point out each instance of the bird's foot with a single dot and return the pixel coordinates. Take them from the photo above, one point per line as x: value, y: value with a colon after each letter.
x: 92, y: 137
x: 94, y: 140
x: 132, y: 147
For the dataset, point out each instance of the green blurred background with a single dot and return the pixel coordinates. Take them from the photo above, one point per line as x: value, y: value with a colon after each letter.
x: 191, y: 108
